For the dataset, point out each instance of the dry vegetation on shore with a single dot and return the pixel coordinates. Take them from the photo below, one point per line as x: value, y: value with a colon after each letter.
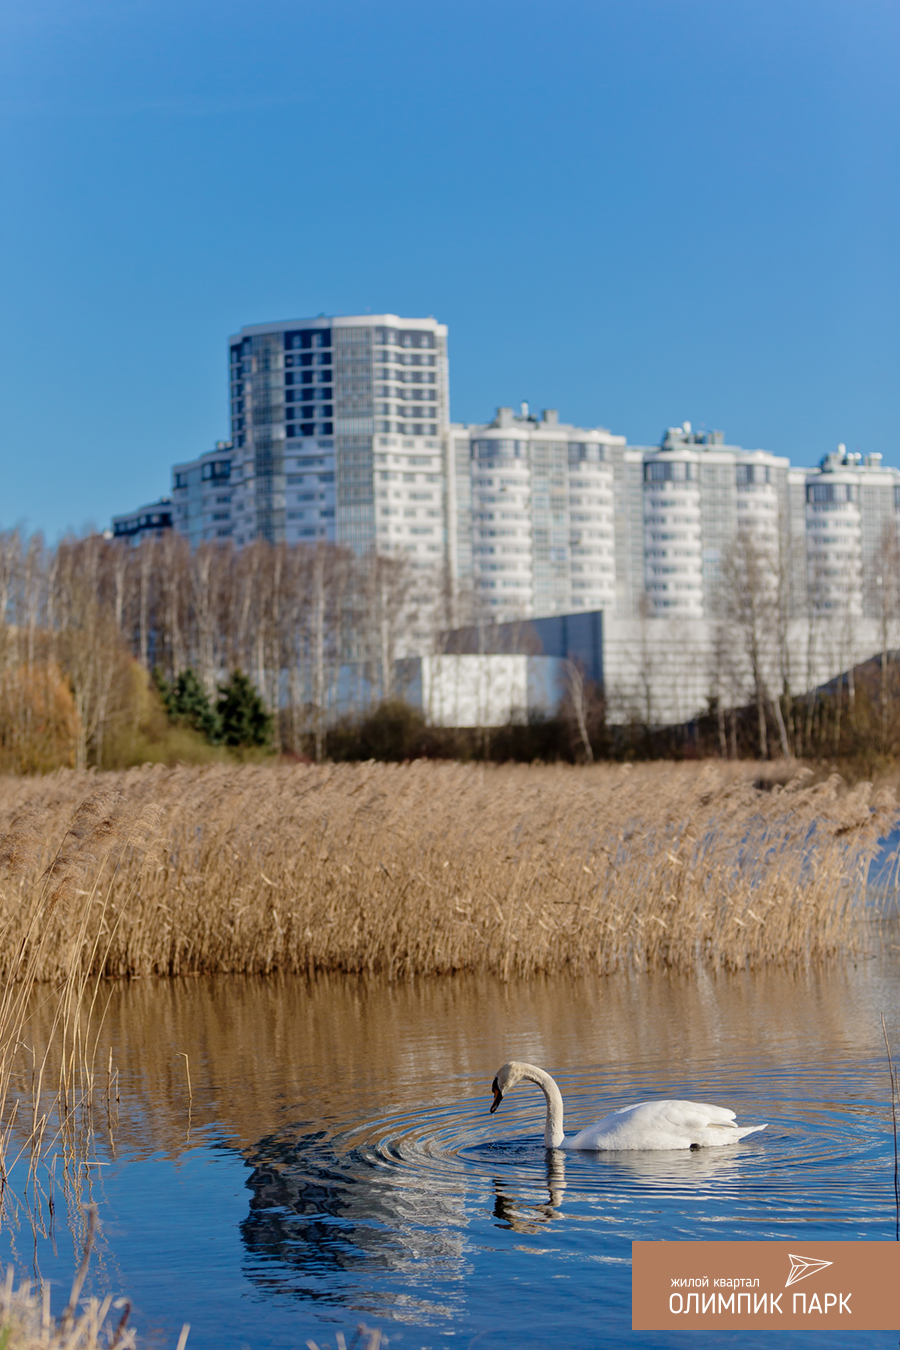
x: 424, y: 868
x: 27, y: 1324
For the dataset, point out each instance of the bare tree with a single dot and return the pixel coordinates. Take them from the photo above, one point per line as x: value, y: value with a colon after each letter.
x: 576, y: 695
x: 750, y: 577
x: 87, y: 644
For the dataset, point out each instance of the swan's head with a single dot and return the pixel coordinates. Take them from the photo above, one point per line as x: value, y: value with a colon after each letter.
x: 506, y: 1078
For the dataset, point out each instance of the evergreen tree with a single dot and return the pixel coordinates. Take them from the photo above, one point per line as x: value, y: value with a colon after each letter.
x: 191, y: 705
x: 242, y: 714
x: 187, y: 704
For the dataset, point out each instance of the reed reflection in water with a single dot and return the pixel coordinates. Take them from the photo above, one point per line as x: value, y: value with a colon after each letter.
x: 340, y: 1161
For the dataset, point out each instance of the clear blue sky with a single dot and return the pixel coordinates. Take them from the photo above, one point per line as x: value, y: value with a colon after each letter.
x: 636, y: 211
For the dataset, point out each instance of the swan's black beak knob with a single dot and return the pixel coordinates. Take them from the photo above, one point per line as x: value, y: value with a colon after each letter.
x: 498, y: 1096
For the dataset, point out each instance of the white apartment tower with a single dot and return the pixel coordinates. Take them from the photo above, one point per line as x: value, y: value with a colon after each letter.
x: 679, y: 508
x: 532, y: 500
x: 848, y: 509
x: 338, y: 426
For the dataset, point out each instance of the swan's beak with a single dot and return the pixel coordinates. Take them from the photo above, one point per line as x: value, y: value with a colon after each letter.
x: 498, y: 1097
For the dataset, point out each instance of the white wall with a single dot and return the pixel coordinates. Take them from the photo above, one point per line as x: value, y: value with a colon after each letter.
x: 484, y: 691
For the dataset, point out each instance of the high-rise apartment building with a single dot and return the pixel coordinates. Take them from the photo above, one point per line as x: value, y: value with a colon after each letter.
x: 341, y: 432
x: 848, y: 510
x: 679, y: 509
x: 338, y: 428
x: 551, y: 518
x: 532, y: 507
x: 202, y: 496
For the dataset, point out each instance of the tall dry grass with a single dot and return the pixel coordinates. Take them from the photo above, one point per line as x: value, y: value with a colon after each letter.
x: 27, y: 1323
x: 53, y: 917
x: 424, y: 868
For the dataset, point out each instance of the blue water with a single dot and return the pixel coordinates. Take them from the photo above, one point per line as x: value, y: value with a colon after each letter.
x: 337, y: 1163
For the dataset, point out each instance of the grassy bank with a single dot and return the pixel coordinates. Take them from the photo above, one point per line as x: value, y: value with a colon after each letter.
x: 428, y: 868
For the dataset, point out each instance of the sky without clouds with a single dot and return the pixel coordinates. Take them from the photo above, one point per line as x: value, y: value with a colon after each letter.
x: 636, y: 211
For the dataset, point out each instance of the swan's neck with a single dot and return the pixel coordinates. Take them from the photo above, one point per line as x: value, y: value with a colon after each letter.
x: 553, y: 1128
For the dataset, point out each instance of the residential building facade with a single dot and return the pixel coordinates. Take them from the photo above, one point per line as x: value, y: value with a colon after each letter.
x: 680, y: 506
x: 851, y: 506
x: 202, y: 495
x: 532, y: 514
x: 147, y: 522
x: 339, y: 433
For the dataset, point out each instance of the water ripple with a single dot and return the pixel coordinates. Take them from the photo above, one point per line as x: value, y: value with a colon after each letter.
x: 452, y: 1166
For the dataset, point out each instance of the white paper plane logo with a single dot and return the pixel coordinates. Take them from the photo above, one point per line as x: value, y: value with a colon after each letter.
x: 801, y: 1266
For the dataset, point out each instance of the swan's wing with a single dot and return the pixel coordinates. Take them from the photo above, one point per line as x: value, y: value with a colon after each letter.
x: 661, y: 1125
x: 708, y: 1126
x: 675, y: 1114
x: 696, y: 1115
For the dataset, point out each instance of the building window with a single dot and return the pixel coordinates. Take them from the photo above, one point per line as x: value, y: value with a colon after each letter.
x: 832, y: 492
x: 306, y: 338
x: 752, y: 473
x: 216, y: 471
x: 670, y: 471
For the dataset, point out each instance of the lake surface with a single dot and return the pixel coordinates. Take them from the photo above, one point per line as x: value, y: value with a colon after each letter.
x: 337, y: 1163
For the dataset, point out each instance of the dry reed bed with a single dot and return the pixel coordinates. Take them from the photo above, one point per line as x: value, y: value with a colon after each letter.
x: 26, y: 1322
x: 425, y: 868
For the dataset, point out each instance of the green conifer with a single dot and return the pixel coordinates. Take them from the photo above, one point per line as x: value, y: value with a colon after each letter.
x: 242, y: 714
x: 189, y: 704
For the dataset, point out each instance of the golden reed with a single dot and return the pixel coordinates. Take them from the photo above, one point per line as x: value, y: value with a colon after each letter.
x: 427, y: 868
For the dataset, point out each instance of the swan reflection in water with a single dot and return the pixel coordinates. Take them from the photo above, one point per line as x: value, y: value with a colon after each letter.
x: 320, y: 1224
x: 603, y: 1177
x: 528, y: 1218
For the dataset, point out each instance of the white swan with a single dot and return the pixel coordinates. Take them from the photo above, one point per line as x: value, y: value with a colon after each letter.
x: 646, y: 1125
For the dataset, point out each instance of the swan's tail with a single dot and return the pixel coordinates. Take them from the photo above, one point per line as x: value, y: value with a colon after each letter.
x: 749, y: 1129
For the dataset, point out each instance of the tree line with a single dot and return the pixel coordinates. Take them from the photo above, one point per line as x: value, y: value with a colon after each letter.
x: 263, y: 648
x: 82, y: 624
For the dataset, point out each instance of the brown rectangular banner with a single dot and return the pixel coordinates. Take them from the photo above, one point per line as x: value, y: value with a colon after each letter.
x: 718, y: 1286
